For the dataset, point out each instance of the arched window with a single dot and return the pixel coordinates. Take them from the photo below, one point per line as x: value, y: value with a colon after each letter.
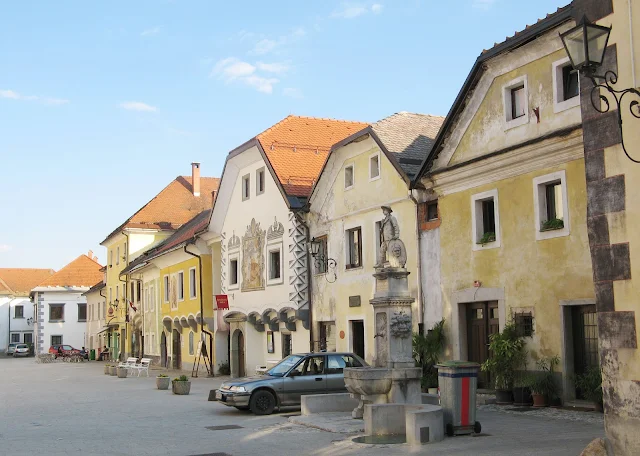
x: 191, y: 342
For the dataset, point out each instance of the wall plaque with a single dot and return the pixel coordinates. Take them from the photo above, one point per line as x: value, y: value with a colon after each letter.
x: 354, y: 301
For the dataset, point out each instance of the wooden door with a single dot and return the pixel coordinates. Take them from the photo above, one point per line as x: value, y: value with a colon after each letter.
x: 241, y: 361
x: 357, y: 337
x: 482, y: 321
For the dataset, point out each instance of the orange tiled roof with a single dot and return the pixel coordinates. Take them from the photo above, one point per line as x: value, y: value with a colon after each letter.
x: 21, y: 280
x: 81, y: 272
x: 297, y: 148
x: 174, y: 206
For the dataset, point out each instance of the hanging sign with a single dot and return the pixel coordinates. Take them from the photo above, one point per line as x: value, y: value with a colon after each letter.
x: 222, y: 302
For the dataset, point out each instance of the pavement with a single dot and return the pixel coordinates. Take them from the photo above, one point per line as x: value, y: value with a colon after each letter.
x: 74, y: 409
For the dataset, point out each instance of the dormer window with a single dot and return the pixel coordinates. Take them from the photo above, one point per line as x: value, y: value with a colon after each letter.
x: 348, y: 177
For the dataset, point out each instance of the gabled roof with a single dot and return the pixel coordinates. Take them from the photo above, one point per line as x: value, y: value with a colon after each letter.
x: 297, y: 148
x: 81, y: 272
x: 184, y: 234
x: 20, y: 281
x: 408, y: 137
x: 519, y: 39
x: 97, y: 287
x: 174, y: 206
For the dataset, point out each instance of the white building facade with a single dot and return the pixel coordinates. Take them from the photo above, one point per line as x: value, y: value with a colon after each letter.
x: 16, y: 321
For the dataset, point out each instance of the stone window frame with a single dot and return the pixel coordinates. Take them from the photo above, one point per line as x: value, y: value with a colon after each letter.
x: 353, y: 176
x: 509, y: 122
x: 15, y: 311
x: 476, y: 219
x: 166, y: 288
x: 56, y: 305
x: 180, y: 286
x: 57, y: 335
x: 559, y: 104
x: 85, y: 312
x: 234, y: 257
x: 193, y: 285
x: 539, y: 205
x: 275, y: 246
x: 11, y: 341
x: 246, y: 187
x: 117, y: 255
x: 374, y: 178
x: 349, y: 265
x: 260, y: 175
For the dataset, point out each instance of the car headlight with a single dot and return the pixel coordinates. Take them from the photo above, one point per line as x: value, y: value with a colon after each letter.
x: 238, y: 389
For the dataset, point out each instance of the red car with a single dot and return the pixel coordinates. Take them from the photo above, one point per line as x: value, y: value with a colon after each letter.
x: 64, y: 350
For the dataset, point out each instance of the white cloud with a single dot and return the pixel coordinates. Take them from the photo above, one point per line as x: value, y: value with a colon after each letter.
x: 261, y: 84
x: 278, y: 68
x: 12, y: 95
x: 483, y: 4
x: 350, y: 11
x: 232, y: 68
x: 5, y: 248
x: 151, y: 31
x: 264, y: 46
x: 137, y: 106
x: 292, y: 93
x: 376, y: 8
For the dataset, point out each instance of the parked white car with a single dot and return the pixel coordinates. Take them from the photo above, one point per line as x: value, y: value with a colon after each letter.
x: 21, y: 350
x: 12, y: 348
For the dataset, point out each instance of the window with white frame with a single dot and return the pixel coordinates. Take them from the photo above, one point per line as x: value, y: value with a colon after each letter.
x: 118, y: 293
x: 349, y: 177
x: 260, y: 181
x: 274, y: 263
x: 165, y: 287
x: 56, y: 312
x: 138, y: 290
x: 110, y: 296
x: 192, y: 283
x: 15, y: 338
x: 82, y: 312
x: 485, y: 220
x: 516, y: 102
x: 233, y: 272
x: 56, y: 340
x: 320, y: 261
x: 354, y: 248
x: 566, y: 85
x: 374, y: 166
x: 550, y: 205
x: 117, y: 255
x: 152, y: 298
x: 180, y: 286
x: 246, y: 187
x: 18, y: 312
x: 191, y: 351
x: 111, y: 258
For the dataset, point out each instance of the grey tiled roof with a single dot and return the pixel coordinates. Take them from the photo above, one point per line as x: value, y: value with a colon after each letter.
x: 408, y: 137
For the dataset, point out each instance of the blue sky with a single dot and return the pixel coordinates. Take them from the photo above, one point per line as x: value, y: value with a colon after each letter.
x: 103, y: 103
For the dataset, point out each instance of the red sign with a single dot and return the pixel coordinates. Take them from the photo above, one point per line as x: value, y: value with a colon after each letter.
x: 222, y: 302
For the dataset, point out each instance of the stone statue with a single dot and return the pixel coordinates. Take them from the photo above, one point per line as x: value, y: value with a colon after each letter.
x: 389, y: 231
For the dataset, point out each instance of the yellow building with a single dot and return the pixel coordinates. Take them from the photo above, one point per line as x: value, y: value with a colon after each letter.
x: 368, y: 170
x: 177, y: 304
x: 507, y: 174
x: 175, y: 205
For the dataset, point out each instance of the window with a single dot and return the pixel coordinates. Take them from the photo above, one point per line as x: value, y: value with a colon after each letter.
x: 260, y: 181
x: 117, y: 293
x: 320, y: 261
x: 56, y: 340
x: 82, y: 312
x: 111, y: 258
x: 354, y: 248
x: 191, y: 342
x: 378, y: 240
x: 274, y: 264
x: 181, y: 286
x: 166, y: 288
x: 569, y: 83
x: 550, y: 205
x: 566, y: 86
x: 246, y: 187
x: 286, y: 345
x: 270, y: 347
x: 133, y: 291
x: 15, y: 337
x: 138, y: 290
x: 18, y: 312
x: 152, y: 298
x: 56, y: 312
x: 233, y: 272
x: 517, y: 102
x: 524, y: 324
x: 117, y: 255
x: 348, y: 177
x: 432, y: 211
x: 110, y: 296
x: 28, y: 338
x: 336, y: 363
x: 374, y: 167
x: 104, y: 310
x: 485, y: 220
x: 192, y: 283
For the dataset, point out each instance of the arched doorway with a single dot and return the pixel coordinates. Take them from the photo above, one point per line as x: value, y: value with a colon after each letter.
x: 163, y: 349
x: 177, y: 352
x: 237, y: 354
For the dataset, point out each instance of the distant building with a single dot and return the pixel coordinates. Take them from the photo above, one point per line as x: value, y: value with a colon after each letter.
x: 16, y: 310
x: 62, y: 309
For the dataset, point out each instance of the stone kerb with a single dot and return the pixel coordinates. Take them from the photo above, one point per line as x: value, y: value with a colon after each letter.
x: 424, y: 425
x: 327, y: 403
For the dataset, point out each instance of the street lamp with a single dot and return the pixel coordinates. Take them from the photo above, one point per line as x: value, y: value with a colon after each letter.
x: 586, y: 45
x: 321, y: 261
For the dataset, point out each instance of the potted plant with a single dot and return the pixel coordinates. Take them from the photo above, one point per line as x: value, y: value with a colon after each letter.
x: 224, y: 368
x: 590, y: 384
x: 542, y: 384
x: 521, y: 390
x: 505, y: 350
x: 426, y: 353
x: 122, y: 372
x: 181, y: 385
x: 162, y: 382
x: 487, y: 237
x: 552, y: 224
x: 113, y: 370
x: 106, y: 369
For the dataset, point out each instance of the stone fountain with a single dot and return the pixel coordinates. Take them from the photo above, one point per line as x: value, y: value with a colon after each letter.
x: 393, y: 379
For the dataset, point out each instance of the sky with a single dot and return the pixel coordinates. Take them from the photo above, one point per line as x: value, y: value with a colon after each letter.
x: 102, y: 104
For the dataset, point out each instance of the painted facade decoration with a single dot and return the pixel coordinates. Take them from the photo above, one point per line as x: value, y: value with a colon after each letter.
x: 253, y: 258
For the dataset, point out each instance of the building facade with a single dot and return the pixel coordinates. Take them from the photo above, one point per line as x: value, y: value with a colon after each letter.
x: 364, y: 172
x: 96, y: 314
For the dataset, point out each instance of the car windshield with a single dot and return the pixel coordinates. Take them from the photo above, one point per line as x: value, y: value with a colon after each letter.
x: 12, y: 345
x: 284, y: 366
x: 22, y: 346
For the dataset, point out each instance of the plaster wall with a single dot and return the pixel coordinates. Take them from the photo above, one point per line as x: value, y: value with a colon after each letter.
x: 334, y: 210
x: 95, y: 321
x: 11, y: 325
x: 430, y: 260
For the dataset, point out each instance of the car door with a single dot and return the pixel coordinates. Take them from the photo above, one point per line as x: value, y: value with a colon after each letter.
x: 307, y: 377
x: 335, y: 372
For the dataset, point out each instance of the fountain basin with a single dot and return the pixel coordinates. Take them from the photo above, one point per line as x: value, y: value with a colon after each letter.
x: 368, y: 381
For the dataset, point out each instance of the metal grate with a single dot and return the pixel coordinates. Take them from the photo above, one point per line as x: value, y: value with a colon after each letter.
x: 524, y: 324
x: 224, y: 427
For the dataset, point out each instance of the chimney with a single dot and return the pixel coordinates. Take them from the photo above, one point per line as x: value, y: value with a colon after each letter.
x: 90, y: 254
x: 195, y: 178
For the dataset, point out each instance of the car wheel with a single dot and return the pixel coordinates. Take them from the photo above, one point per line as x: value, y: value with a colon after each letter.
x: 262, y: 403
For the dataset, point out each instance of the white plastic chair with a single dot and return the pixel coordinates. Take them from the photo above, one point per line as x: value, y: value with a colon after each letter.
x: 143, y: 366
x: 129, y: 364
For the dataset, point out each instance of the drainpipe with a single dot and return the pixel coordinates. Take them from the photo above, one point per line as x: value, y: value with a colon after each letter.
x: 419, y: 269
x: 309, y: 278
x: 210, y: 353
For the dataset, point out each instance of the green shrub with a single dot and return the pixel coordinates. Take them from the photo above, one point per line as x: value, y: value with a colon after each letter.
x: 553, y: 224
x: 506, y: 356
x: 162, y: 376
x: 182, y: 378
x: 487, y: 237
x: 224, y: 368
x: 590, y: 384
x: 426, y: 353
x: 542, y: 382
